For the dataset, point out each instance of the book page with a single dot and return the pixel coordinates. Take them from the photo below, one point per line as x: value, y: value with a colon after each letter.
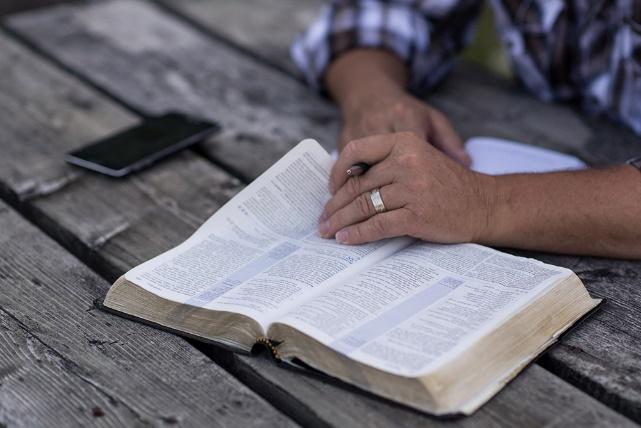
x: 422, y: 305
x: 260, y: 252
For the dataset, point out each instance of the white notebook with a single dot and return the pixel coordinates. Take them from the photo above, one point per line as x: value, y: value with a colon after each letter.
x: 496, y: 156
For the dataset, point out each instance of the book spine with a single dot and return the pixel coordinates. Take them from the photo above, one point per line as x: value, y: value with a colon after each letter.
x: 270, y: 346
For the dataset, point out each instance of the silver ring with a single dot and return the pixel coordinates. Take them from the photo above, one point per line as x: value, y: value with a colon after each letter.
x: 377, y: 201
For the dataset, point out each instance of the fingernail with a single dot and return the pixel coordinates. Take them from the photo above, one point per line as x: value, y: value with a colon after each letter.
x: 322, y: 217
x: 341, y: 236
x: 323, y: 228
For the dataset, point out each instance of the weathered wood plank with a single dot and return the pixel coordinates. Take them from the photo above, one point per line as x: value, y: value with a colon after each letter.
x: 536, y: 398
x: 37, y: 387
x: 604, y: 356
x: 310, y: 400
x: 55, y: 114
x: 245, y: 24
x: 45, y: 114
x: 64, y: 363
x: 263, y: 112
x: 477, y: 103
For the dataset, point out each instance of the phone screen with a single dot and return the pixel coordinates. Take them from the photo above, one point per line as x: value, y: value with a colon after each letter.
x: 139, y: 146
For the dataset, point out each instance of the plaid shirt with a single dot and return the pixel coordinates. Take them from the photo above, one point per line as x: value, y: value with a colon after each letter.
x: 588, y: 50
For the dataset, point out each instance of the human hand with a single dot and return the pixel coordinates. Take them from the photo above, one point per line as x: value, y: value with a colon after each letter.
x: 370, y: 85
x: 398, y: 111
x: 426, y: 194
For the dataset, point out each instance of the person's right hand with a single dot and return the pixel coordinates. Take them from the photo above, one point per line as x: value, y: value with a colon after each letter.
x: 398, y: 111
x: 426, y: 194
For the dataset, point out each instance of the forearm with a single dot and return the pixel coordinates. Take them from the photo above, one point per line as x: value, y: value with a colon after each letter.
x: 358, y: 75
x: 595, y: 212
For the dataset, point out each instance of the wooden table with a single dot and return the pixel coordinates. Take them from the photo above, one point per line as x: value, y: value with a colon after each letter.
x: 73, y: 73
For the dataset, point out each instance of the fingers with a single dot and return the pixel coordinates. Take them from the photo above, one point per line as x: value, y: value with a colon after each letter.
x: 377, y: 176
x: 370, y: 150
x: 386, y: 225
x: 447, y: 140
x: 357, y: 210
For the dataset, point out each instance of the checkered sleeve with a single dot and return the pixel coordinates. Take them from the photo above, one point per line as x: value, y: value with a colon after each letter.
x: 426, y: 35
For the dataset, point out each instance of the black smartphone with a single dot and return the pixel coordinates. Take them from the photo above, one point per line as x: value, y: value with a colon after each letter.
x: 140, y: 146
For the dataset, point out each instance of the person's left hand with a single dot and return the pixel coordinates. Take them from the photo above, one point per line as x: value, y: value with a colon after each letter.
x: 398, y: 111
x: 426, y: 194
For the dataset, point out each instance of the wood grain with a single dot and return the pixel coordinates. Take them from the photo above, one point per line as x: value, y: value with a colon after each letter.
x: 55, y: 114
x: 244, y: 25
x: 44, y: 114
x: 39, y: 388
x: 535, y: 398
x: 603, y: 357
x: 69, y: 34
x: 65, y: 363
x: 264, y: 113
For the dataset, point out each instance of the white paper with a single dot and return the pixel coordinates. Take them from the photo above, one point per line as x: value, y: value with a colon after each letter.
x: 495, y: 156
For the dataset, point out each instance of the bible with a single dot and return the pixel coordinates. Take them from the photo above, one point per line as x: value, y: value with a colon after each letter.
x: 440, y: 328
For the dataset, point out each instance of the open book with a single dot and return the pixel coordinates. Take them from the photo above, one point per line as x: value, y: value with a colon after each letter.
x: 441, y: 328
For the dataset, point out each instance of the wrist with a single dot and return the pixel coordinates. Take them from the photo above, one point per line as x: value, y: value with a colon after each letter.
x: 493, y: 205
x: 363, y: 96
x: 358, y: 75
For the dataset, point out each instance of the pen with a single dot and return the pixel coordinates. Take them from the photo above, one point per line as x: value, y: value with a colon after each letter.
x: 357, y: 169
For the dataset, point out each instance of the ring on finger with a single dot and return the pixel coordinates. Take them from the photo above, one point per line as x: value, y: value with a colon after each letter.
x: 377, y: 201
